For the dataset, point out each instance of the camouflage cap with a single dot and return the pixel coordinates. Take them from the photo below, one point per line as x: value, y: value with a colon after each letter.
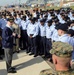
x: 61, y: 49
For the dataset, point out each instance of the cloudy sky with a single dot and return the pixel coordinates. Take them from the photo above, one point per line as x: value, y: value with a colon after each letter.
x: 5, y: 2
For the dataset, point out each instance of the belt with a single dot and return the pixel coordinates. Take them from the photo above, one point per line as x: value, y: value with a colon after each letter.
x: 43, y: 36
x: 24, y: 30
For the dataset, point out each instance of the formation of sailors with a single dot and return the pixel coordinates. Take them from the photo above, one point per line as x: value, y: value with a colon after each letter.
x: 39, y: 29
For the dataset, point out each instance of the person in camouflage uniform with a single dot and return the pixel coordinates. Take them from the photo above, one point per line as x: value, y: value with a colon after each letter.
x: 16, y: 29
x: 61, y: 55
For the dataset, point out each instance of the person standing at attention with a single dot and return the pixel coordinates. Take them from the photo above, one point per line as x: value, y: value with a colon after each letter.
x: 7, y: 44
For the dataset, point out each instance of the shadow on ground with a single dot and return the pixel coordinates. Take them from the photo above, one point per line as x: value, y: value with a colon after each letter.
x: 3, y: 72
x: 29, y: 63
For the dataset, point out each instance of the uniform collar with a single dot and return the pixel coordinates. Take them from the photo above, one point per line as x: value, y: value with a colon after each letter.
x: 64, y: 35
x: 63, y: 72
x: 9, y: 26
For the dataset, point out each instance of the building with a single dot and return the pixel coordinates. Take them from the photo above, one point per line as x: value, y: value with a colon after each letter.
x: 67, y: 3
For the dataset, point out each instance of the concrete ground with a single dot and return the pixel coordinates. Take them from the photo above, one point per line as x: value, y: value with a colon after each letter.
x: 25, y: 64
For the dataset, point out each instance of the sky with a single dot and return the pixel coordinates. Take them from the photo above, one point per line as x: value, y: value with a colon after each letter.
x: 8, y: 2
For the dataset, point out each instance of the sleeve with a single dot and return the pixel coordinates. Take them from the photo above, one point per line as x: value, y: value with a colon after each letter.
x: 20, y: 25
x: 28, y: 31
x: 19, y: 31
x: 27, y: 23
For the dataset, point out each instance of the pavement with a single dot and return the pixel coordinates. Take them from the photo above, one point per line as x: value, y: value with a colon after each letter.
x: 25, y: 64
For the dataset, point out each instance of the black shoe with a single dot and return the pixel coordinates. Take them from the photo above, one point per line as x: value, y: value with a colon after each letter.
x: 13, y: 68
x: 14, y: 52
x: 27, y: 51
x: 1, y: 58
x: 47, y: 56
x: 22, y: 48
x: 44, y: 57
x: 17, y: 51
x: 51, y: 60
x: 35, y: 55
x: 12, y: 71
x: 31, y: 53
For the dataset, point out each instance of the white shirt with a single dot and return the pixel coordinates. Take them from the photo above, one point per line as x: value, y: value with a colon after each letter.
x: 32, y: 29
x: 71, y: 17
x: 49, y: 16
x: 67, y: 39
x: 59, y: 16
x: 24, y: 25
x: 49, y: 32
x: 55, y: 35
x: 62, y: 21
x: 42, y: 30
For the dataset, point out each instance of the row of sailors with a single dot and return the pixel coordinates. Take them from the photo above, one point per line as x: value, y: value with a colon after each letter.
x: 47, y: 31
x: 24, y: 25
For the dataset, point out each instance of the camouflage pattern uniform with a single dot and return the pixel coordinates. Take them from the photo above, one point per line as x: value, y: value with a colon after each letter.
x: 16, y: 29
x: 51, y: 72
x: 62, y: 50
